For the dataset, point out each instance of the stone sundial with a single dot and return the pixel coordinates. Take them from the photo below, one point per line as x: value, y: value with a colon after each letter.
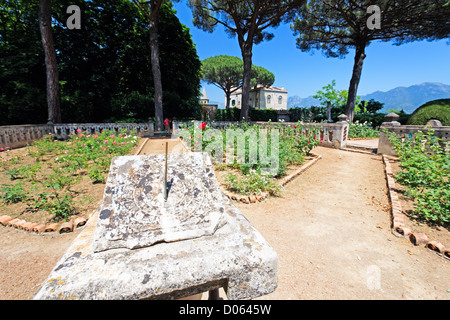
x: 164, y: 238
x: 134, y: 212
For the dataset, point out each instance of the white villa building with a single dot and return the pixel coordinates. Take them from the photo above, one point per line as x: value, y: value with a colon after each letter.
x: 262, y: 98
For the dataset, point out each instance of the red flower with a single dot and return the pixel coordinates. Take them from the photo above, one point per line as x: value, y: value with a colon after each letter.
x: 202, y: 126
x: 295, y: 127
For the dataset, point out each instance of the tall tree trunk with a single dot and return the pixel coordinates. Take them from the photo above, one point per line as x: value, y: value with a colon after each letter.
x: 156, y: 71
x: 247, y: 57
x: 51, y: 66
x: 228, y: 98
x: 354, y: 82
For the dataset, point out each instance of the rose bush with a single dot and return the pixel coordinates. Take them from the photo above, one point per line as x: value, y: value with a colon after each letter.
x: 64, y: 164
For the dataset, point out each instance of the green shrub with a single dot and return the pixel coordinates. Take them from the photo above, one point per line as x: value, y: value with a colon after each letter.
x: 301, y: 114
x: 68, y: 161
x: 362, y: 130
x: 436, y: 109
x: 14, y: 174
x: 251, y: 183
x: 374, y: 119
x: 294, y: 143
x: 13, y: 193
x: 425, y: 173
x: 96, y: 175
x: 230, y: 114
x: 233, y: 114
x: 62, y: 206
x: 263, y: 115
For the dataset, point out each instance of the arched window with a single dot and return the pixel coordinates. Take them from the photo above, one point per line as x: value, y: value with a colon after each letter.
x: 280, y: 99
x: 268, y: 99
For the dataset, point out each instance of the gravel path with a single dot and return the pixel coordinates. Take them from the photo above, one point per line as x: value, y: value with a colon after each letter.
x: 331, y: 230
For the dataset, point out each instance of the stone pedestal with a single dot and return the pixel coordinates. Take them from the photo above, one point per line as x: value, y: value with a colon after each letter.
x: 140, y: 246
x: 384, y: 145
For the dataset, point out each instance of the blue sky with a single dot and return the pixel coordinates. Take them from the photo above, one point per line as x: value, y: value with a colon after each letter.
x: 385, y: 67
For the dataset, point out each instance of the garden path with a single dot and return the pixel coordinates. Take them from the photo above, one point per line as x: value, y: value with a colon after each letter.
x: 371, y: 144
x: 330, y: 228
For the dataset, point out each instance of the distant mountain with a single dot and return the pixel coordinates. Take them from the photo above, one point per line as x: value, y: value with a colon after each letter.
x: 296, y: 101
x: 406, y: 98
x: 410, y: 98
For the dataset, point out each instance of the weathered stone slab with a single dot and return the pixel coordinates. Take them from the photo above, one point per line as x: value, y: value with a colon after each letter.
x: 226, y: 250
x: 134, y: 213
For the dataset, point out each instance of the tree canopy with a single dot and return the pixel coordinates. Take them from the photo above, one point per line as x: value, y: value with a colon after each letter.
x: 227, y: 72
x: 104, y: 67
x: 335, y: 26
x: 248, y: 21
x: 22, y: 73
x: 329, y: 94
x: 261, y: 76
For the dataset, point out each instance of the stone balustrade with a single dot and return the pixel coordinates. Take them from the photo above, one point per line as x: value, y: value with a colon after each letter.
x: 408, y: 132
x: 62, y: 131
x: 17, y: 136
x: 333, y: 135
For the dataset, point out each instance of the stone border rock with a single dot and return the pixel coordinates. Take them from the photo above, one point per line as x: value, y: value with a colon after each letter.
x: 21, y: 224
x: 398, y: 227
x: 141, y: 146
x: 63, y: 227
x: 284, y: 181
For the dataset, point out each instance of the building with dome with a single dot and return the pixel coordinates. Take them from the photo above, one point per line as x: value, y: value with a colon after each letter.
x: 208, y: 110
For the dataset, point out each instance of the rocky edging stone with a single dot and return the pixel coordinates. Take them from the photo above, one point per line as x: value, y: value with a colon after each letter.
x: 21, y: 224
x: 398, y: 227
x: 63, y: 227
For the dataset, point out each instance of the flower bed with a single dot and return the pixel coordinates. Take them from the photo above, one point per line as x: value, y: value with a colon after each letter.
x: 53, y: 180
x: 362, y: 130
x: 244, y: 170
x: 425, y: 174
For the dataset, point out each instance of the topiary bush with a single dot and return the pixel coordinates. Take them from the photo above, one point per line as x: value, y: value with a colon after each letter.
x: 436, y: 109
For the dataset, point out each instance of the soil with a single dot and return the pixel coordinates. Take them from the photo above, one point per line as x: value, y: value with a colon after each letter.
x: 291, y: 170
x: 86, y: 195
x: 330, y: 228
